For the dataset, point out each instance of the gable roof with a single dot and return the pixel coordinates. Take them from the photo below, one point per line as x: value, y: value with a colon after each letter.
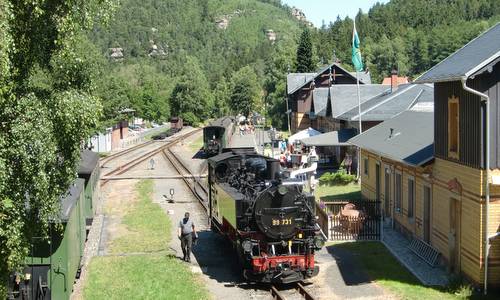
x: 363, y: 77
x: 412, y: 138
x: 387, y: 104
x: 70, y: 198
x: 320, y: 101
x: 344, y: 97
x: 467, y: 60
x: 88, y: 162
x: 331, y: 138
x: 296, y: 81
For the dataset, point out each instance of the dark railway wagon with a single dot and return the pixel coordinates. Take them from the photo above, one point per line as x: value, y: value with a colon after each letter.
x: 270, y: 221
x: 89, y: 170
x: 176, y: 124
x: 53, y: 263
x: 217, y: 135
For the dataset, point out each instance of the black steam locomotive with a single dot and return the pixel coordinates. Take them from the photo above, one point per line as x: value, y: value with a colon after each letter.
x: 270, y: 221
x: 217, y: 135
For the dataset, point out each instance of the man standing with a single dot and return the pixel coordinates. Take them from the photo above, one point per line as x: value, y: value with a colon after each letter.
x: 186, y: 232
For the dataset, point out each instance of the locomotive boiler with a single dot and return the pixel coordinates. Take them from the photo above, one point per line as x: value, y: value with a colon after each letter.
x: 270, y: 221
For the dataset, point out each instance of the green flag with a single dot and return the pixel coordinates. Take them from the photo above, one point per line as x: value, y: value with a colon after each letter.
x: 356, y: 53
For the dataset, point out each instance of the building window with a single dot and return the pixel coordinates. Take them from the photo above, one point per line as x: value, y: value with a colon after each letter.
x: 365, y: 161
x: 453, y: 127
x: 411, y: 197
x: 398, y: 191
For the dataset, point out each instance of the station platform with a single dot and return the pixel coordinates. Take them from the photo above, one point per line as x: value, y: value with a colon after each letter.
x: 255, y: 140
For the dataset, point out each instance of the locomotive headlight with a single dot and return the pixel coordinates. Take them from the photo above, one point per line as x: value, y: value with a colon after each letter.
x: 318, y: 242
x: 247, y: 246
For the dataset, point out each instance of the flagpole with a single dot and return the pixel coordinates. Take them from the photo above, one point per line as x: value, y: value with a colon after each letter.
x: 360, y: 127
x: 358, y: 65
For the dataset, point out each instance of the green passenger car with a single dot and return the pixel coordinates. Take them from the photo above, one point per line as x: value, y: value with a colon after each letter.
x: 88, y: 169
x: 53, y: 265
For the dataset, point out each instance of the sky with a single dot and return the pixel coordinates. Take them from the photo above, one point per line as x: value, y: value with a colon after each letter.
x: 318, y: 10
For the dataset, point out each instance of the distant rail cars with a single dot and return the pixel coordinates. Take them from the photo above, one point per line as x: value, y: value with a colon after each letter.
x: 217, y: 135
x: 53, y: 264
x: 270, y: 221
x: 176, y: 125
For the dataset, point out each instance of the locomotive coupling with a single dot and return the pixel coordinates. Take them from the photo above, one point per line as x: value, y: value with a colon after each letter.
x: 318, y: 242
x: 247, y: 246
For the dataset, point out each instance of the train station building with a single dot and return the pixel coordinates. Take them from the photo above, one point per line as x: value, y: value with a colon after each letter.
x: 437, y: 171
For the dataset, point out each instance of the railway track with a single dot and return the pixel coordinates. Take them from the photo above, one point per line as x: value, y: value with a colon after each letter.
x: 299, y: 290
x: 114, y: 156
x: 192, y: 182
x: 127, y: 166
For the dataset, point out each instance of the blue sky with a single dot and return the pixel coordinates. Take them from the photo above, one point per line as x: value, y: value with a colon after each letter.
x: 328, y: 10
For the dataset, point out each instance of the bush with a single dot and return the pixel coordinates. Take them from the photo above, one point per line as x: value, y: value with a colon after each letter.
x: 338, y: 178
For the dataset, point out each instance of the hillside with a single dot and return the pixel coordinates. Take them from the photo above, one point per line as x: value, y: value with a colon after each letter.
x: 164, y: 42
x: 185, y: 57
x: 408, y: 35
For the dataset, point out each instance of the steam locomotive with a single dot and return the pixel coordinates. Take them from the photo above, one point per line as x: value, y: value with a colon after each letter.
x: 270, y: 221
x: 217, y: 135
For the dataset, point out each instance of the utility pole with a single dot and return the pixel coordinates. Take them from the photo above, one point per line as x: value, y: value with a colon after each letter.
x: 286, y: 99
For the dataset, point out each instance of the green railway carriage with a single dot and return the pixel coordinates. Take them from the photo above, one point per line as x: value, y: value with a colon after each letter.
x: 89, y: 170
x: 217, y: 135
x: 53, y: 264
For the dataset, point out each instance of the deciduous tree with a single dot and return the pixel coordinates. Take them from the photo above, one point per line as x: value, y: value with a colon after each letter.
x: 46, y: 110
x: 245, y: 91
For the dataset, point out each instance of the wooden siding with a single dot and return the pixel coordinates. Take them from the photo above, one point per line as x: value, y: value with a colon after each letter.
x: 326, y: 124
x: 301, y: 100
x: 470, y: 197
x: 368, y: 189
x: 472, y: 234
x: 488, y: 83
x: 299, y: 121
x: 469, y: 121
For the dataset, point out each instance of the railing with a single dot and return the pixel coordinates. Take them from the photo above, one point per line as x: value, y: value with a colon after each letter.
x: 351, y: 220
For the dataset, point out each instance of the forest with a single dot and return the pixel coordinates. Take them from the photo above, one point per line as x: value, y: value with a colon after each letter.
x: 178, y: 61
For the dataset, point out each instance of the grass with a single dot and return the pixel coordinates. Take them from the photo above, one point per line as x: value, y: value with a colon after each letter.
x: 386, y: 271
x: 350, y: 191
x: 155, y: 274
x: 147, y: 225
x: 196, y: 145
x: 141, y: 277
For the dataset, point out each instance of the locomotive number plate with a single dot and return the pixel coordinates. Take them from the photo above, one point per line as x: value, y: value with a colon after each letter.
x: 281, y: 222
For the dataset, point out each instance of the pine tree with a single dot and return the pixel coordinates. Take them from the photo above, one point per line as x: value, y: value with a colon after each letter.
x: 304, y: 53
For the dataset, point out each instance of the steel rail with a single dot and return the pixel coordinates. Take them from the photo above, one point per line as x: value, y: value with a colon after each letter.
x: 113, y: 156
x: 300, y: 288
x: 276, y: 294
x: 191, y: 175
x: 127, y: 166
x: 181, y: 168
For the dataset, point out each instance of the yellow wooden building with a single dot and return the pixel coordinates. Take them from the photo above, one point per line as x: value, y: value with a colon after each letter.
x: 445, y: 201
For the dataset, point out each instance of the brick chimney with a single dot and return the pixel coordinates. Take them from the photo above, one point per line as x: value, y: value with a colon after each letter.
x: 394, y: 80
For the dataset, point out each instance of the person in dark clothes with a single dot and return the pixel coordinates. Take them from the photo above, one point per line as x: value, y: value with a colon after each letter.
x: 185, y: 233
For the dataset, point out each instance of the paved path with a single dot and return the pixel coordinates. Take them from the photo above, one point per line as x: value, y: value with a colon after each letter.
x: 342, y: 278
x: 398, y: 246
